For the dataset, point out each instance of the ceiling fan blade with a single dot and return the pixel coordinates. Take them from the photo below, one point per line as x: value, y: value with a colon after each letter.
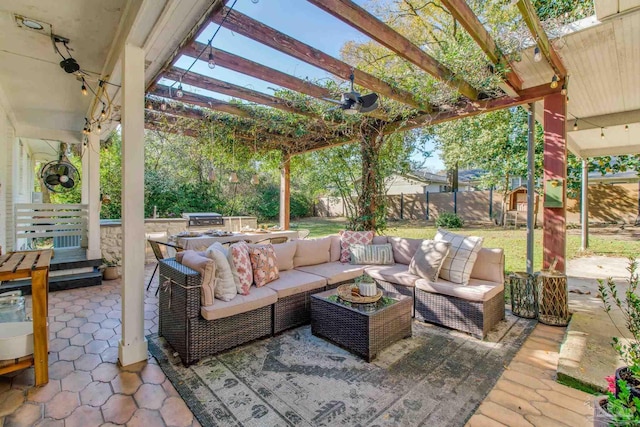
x: 369, y: 100
x: 52, y: 179
x: 68, y: 184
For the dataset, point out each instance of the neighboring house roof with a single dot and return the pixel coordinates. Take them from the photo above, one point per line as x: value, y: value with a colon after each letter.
x: 469, y: 175
x: 424, y: 176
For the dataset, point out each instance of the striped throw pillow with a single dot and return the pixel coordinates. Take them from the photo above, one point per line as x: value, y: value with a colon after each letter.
x: 371, y: 254
x: 462, y: 255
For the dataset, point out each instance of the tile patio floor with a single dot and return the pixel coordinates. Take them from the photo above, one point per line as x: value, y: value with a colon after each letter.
x: 88, y: 388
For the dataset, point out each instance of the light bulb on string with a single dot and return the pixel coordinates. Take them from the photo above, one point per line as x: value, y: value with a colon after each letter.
x: 537, y: 55
x: 554, y: 82
x: 211, y: 62
x: 575, y: 125
x: 233, y: 178
x: 564, y: 89
x: 103, y: 113
x: 163, y: 106
x: 149, y: 106
x: 179, y: 92
x: 99, y: 127
x: 626, y: 128
x: 83, y: 89
x: 601, y: 133
x: 255, y: 180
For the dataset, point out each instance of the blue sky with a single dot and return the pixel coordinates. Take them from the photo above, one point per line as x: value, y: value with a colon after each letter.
x: 296, y: 18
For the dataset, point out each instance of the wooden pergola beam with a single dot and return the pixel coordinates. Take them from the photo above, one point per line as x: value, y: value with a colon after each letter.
x: 259, y: 71
x: 200, y: 100
x: 464, y: 15
x: 528, y: 12
x: 215, y: 85
x: 526, y: 96
x: 357, y: 17
x: 248, y: 27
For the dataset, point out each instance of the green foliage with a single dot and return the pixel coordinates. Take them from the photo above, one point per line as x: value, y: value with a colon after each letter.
x: 449, y: 220
x: 630, y: 308
x: 624, y: 408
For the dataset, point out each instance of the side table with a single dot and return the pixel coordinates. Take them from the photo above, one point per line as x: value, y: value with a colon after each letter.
x: 524, y: 295
x: 553, y: 298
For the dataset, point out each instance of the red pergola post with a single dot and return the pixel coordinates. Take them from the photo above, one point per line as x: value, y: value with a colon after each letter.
x: 555, y: 181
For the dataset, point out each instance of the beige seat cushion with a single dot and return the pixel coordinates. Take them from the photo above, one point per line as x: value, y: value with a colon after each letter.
x: 293, y: 282
x: 334, y: 272
x: 477, y: 290
x: 257, y: 298
x: 284, y: 254
x: 404, y: 249
x: 489, y: 265
x: 396, y: 273
x: 207, y: 269
x: 379, y: 240
x: 312, y: 252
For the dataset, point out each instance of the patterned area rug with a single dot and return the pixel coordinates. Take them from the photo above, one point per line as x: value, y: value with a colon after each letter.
x: 436, y: 378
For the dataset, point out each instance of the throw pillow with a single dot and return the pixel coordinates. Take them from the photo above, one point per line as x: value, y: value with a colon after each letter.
x: 462, y: 256
x: 428, y: 259
x: 264, y: 264
x: 225, y: 287
x: 242, y: 266
x: 371, y: 254
x: 351, y: 238
x: 207, y: 269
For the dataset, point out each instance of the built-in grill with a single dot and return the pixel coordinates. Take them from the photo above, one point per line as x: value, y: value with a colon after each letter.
x: 203, y: 218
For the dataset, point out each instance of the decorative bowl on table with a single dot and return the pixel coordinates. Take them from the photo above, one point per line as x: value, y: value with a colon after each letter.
x: 189, y: 234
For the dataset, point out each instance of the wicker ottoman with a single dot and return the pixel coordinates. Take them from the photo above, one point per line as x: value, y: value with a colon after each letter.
x: 363, y: 329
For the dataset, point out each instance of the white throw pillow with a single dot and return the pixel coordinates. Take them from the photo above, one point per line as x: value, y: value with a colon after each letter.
x: 225, y: 288
x: 462, y: 256
x: 206, y: 267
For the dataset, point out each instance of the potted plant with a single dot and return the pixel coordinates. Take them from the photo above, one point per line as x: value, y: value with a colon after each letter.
x: 366, y: 285
x: 110, y: 268
x: 623, y: 399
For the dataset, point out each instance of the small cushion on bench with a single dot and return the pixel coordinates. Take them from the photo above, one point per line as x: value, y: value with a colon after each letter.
x: 293, y: 282
x: 489, y: 265
x: 397, y: 273
x: 257, y: 298
x: 284, y: 255
x: 335, y: 272
x: 477, y: 290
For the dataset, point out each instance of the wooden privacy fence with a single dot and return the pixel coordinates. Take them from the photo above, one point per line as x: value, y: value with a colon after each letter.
x: 66, y: 224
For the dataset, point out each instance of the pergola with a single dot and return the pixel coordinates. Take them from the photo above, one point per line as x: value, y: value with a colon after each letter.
x: 515, y: 89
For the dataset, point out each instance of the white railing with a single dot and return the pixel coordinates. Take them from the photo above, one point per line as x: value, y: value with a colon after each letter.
x: 66, y: 224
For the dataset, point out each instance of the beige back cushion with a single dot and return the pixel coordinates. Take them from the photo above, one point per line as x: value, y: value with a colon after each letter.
x: 225, y: 287
x: 334, y: 252
x: 284, y: 254
x: 489, y: 265
x: 207, y: 269
x: 404, y: 249
x: 312, y: 252
x: 379, y: 240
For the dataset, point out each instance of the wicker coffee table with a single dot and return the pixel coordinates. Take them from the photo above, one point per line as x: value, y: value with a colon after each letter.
x: 363, y: 329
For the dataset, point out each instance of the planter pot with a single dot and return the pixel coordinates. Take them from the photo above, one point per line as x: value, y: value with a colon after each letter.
x: 624, y: 374
x: 601, y: 418
x: 110, y: 273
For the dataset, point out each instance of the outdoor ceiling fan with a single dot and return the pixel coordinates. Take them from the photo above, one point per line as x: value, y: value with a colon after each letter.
x: 59, y: 175
x: 352, y: 102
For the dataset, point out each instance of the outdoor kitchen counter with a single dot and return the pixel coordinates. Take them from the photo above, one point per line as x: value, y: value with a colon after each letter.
x: 203, y: 242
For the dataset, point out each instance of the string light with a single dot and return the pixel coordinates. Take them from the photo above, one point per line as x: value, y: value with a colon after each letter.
x: 601, y: 133
x: 83, y: 89
x: 163, y: 106
x: 103, y: 113
x: 575, y: 125
x: 149, y: 106
x: 233, y: 178
x: 212, y: 62
x: 255, y: 180
x: 554, y: 82
x: 626, y: 128
x: 179, y: 92
x: 99, y: 127
x: 537, y: 55
x: 564, y: 89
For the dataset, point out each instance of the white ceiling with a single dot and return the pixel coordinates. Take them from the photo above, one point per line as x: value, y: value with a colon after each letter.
x: 42, y: 100
x: 603, y: 63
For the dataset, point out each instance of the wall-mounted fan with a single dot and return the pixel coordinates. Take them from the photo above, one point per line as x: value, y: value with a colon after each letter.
x: 352, y: 102
x: 59, y: 175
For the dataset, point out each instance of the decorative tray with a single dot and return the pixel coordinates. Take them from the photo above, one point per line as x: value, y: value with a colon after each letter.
x: 190, y: 234
x: 349, y: 292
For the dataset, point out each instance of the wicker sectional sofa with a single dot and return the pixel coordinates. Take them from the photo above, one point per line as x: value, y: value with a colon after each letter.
x: 313, y: 266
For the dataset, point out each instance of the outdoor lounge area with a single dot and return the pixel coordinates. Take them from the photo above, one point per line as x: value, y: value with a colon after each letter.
x: 167, y: 174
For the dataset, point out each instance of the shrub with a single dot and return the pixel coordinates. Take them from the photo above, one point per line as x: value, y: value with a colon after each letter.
x: 449, y: 220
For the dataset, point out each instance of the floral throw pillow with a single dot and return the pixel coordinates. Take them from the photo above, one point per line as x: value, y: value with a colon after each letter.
x: 242, y: 264
x: 264, y: 264
x: 353, y: 238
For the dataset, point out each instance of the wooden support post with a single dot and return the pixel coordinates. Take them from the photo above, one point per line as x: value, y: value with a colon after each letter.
x: 285, y: 192
x: 555, y: 173
x: 584, y: 208
x: 39, y: 289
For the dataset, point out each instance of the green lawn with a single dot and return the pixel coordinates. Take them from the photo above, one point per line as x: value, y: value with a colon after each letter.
x: 513, y: 242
